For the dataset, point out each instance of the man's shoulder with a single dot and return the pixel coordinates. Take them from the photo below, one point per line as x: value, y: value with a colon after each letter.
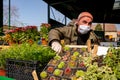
x: 92, y: 32
x: 72, y: 23
x: 64, y: 28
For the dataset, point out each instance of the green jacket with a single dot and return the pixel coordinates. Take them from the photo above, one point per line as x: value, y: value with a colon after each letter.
x: 70, y: 36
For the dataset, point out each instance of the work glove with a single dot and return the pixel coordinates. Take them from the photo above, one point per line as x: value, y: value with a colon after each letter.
x: 56, y: 46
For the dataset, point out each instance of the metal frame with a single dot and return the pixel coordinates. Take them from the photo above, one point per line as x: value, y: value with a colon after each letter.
x: 49, y: 17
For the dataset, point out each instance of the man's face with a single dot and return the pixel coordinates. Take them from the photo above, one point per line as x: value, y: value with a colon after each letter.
x: 85, y: 21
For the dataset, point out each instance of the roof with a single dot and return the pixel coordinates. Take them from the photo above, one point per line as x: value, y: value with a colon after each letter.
x: 110, y: 28
x: 102, y: 10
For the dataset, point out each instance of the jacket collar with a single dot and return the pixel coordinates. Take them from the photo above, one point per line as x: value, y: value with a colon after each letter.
x: 75, y: 30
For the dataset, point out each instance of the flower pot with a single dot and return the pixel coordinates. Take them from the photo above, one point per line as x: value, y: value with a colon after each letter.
x: 11, y: 43
x: 2, y: 72
x: 44, y: 42
x: 1, y: 42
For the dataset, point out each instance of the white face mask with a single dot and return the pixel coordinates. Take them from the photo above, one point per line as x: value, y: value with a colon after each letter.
x: 83, y: 29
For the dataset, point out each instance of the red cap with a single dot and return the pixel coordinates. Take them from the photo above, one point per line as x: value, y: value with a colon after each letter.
x: 85, y: 14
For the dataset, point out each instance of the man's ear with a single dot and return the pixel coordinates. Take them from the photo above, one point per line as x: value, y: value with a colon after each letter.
x: 76, y: 22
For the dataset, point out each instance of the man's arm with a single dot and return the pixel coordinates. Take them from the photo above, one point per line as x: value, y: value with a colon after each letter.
x: 58, y: 34
x: 55, y: 36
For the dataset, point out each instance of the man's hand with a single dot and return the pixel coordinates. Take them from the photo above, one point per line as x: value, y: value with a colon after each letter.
x: 56, y: 46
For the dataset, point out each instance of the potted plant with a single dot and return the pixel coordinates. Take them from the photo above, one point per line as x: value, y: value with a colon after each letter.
x: 44, y: 29
x: 1, y: 40
x: 2, y: 72
x: 22, y: 34
x: 25, y: 52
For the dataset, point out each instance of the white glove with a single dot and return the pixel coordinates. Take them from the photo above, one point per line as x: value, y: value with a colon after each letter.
x: 56, y: 46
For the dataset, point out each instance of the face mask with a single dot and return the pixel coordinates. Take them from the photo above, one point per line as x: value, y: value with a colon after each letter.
x: 83, y: 29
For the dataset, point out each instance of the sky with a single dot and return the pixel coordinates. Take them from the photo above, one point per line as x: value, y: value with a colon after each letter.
x: 34, y: 12
x: 30, y: 12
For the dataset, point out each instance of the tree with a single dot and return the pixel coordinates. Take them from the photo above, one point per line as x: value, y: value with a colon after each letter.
x: 98, y: 27
x: 13, y: 14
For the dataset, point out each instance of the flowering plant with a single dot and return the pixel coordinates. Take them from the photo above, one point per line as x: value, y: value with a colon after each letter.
x: 22, y: 34
x: 44, y: 29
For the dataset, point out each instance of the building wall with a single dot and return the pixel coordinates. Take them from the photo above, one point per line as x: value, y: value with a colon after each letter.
x: 110, y: 30
x: 114, y: 34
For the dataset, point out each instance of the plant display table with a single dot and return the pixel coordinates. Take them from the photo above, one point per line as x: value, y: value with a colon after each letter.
x: 3, y: 47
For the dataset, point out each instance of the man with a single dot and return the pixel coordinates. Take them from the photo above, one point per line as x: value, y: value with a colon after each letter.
x: 77, y: 34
